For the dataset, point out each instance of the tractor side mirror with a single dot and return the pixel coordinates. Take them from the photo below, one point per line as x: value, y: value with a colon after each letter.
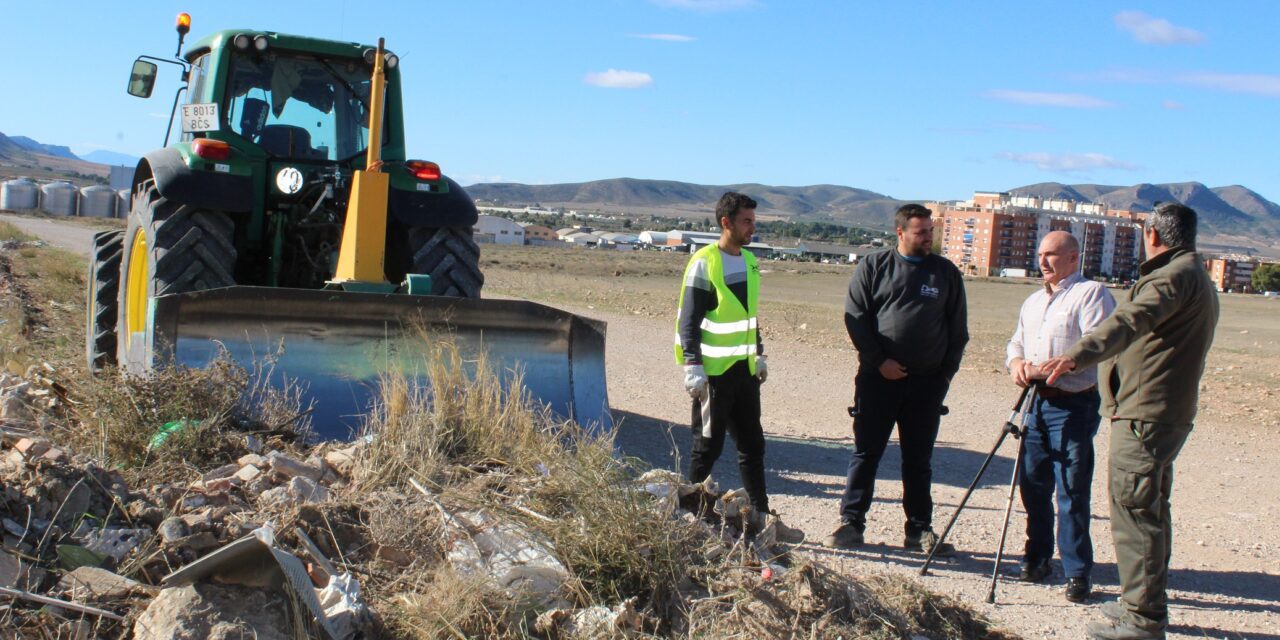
x: 143, y: 79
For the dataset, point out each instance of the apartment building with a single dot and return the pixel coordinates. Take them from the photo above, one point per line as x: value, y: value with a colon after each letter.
x: 1232, y: 274
x: 995, y: 231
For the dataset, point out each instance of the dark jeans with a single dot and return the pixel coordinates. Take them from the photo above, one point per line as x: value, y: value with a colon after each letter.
x: 1141, y: 476
x: 735, y: 409
x: 1057, y: 458
x: 914, y: 403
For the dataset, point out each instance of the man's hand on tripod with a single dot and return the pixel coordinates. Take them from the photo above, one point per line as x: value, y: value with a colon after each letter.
x: 1055, y: 367
x: 1020, y: 370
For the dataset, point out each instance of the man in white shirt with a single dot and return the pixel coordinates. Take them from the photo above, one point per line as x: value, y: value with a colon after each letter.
x: 1058, y: 451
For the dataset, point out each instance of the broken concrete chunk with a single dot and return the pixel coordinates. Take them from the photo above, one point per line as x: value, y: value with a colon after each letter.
x: 225, y: 471
x: 248, y: 473
x: 342, y: 460
x: 291, y: 468
x: 308, y: 490
x: 206, y: 610
x: 253, y: 459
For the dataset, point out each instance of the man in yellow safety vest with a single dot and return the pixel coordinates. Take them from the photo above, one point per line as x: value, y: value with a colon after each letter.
x: 718, y: 344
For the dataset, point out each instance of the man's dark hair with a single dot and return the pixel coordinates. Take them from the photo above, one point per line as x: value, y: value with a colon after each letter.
x: 1175, y: 224
x: 902, y: 217
x: 731, y: 203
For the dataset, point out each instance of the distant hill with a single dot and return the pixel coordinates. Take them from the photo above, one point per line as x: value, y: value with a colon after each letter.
x: 1224, y: 211
x: 22, y: 156
x: 111, y: 158
x: 46, y: 149
x: 666, y: 197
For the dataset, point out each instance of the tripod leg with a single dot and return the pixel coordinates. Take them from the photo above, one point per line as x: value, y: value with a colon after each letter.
x: 1013, y: 486
x: 924, y: 571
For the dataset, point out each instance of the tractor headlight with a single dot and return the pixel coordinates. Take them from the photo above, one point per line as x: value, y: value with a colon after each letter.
x: 260, y: 43
x: 392, y: 60
x: 241, y: 41
x: 368, y: 56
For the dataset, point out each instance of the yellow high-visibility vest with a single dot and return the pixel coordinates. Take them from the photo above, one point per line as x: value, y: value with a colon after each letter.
x: 729, y: 330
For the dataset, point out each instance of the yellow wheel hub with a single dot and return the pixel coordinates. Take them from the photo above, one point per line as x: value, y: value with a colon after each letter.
x: 135, y: 300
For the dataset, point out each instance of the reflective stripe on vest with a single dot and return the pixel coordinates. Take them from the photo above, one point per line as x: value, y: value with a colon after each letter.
x: 728, y: 332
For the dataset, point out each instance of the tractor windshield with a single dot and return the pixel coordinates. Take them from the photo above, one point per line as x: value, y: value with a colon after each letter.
x: 299, y: 106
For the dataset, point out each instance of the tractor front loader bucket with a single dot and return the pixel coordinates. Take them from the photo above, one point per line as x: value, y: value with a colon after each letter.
x: 338, y: 343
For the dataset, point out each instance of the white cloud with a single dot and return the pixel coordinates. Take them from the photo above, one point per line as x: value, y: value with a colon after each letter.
x: 707, y: 6
x: 1254, y: 83
x: 618, y: 79
x: 1067, y: 162
x: 1172, y: 105
x: 1151, y: 30
x: 668, y: 37
x: 1045, y: 99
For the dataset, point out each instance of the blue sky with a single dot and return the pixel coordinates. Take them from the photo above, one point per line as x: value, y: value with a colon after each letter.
x: 913, y: 100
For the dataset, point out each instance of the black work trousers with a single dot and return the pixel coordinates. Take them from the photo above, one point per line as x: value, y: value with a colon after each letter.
x: 734, y: 409
x: 914, y: 403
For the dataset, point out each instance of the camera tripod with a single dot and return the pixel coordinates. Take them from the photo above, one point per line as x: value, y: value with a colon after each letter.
x: 1015, y: 426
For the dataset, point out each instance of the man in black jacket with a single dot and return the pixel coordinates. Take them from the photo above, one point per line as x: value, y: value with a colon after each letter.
x: 906, y: 316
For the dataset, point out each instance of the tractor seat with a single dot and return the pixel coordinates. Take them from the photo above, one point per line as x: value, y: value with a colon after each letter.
x: 286, y: 141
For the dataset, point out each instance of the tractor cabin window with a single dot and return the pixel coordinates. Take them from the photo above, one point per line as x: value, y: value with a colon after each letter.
x: 300, y: 107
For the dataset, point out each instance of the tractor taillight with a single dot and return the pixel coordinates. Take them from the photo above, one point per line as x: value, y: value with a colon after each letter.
x: 211, y: 149
x: 424, y: 170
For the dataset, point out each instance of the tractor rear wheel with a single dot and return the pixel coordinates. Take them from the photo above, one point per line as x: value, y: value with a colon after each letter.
x: 102, y: 304
x: 168, y: 248
x: 451, y: 257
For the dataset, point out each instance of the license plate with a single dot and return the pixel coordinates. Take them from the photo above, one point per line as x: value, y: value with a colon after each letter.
x: 200, y: 117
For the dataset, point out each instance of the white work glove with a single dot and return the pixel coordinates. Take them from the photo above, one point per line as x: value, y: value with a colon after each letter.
x: 695, y: 380
x: 762, y: 368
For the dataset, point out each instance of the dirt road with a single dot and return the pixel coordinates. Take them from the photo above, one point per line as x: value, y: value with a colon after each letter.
x: 72, y: 236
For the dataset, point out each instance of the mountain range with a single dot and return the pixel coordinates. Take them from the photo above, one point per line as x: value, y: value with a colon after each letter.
x: 1233, y: 216
x: 1228, y: 213
x: 22, y: 145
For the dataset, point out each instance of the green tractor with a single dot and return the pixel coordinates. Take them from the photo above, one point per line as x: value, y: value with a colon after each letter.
x: 238, y: 228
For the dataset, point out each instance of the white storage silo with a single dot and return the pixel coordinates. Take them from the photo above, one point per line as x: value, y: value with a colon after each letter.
x: 97, y: 201
x: 19, y: 195
x: 59, y: 198
x: 122, y: 203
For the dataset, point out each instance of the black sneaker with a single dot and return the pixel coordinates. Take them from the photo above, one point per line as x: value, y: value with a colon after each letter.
x: 1035, y: 571
x: 1078, y: 589
x: 845, y: 536
x: 925, y: 541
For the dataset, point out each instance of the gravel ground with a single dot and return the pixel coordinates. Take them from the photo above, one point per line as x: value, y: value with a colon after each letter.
x: 1225, y: 581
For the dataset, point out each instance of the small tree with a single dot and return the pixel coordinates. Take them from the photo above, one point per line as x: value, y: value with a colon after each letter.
x: 1266, y: 277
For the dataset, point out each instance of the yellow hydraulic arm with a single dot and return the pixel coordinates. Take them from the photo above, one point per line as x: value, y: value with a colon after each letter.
x: 364, y: 234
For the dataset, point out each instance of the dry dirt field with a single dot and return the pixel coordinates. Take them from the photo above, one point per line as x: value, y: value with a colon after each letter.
x: 1225, y: 581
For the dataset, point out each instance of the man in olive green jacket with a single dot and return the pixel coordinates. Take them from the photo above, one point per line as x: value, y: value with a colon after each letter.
x: 1152, y: 351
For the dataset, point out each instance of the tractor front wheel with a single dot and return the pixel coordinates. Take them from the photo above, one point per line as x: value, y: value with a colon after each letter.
x: 168, y: 248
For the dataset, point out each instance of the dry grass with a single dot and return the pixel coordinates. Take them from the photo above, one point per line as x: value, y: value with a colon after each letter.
x: 42, y: 293
x: 118, y: 416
